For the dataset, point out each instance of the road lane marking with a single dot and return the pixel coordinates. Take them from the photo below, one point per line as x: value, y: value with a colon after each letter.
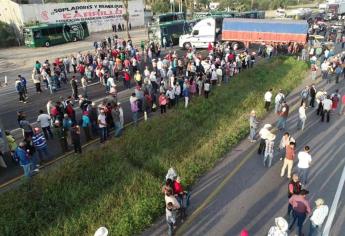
x: 334, y: 206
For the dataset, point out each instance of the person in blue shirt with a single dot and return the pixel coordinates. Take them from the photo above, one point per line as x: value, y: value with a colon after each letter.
x: 23, y: 158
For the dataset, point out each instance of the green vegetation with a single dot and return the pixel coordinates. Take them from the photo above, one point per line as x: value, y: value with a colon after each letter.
x: 8, y: 37
x: 118, y: 185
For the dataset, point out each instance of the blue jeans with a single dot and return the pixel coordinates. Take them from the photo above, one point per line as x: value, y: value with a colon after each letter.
x: 301, y: 123
x: 300, y: 217
x: 118, y: 129
x: 43, y: 152
x: 314, y: 230
x: 103, y: 134
x: 303, y: 175
x: 281, y: 122
x: 27, y: 169
x: 252, y: 133
x: 170, y: 228
x: 135, y: 117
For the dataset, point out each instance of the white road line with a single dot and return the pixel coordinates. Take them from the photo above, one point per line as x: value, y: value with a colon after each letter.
x: 335, y: 202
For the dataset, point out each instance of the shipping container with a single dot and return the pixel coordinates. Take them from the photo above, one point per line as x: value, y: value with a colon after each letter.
x: 257, y: 30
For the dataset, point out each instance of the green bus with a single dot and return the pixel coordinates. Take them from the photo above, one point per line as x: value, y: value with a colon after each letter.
x: 52, y: 34
x: 170, y: 30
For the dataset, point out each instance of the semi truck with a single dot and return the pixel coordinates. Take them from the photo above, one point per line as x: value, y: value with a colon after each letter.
x: 333, y: 9
x: 245, y: 31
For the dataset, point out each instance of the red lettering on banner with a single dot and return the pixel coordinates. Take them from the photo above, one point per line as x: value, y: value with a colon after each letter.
x: 78, y: 15
x: 95, y: 13
x: 67, y: 16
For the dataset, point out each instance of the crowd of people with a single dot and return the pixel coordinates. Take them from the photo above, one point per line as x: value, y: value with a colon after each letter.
x: 161, y: 82
x: 323, y: 104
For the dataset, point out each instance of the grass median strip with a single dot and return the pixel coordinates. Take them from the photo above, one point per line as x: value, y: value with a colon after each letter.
x: 118, y: 185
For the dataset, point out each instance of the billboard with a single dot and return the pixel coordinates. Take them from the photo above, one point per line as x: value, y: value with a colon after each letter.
x: 99, y: 15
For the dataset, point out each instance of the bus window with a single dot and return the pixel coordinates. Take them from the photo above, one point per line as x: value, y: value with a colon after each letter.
x: 164, y: 31
x: 45, y: 32
x: 37, y: 34
x: 58, y: 30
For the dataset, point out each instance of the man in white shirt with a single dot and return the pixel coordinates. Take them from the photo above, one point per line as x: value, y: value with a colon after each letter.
x: 44, y: 121
x: 219, y: 73
x: 302, y: 117
x: 304, y: 161
x: 268, y: 98
x: 324, y: 70
x: 318, y: 217
x: 327, y: 107
x: 278, y: 100
x: 102, y: 125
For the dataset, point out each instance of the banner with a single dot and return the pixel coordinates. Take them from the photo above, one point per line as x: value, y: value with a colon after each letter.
x: 99, y: 15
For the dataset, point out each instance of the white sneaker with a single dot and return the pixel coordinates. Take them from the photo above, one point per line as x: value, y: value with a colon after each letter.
x: 36, y: 170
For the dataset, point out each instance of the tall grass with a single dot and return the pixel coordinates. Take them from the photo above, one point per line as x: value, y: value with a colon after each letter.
x: 118, y: 185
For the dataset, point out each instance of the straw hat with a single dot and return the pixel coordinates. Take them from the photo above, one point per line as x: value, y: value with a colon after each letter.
x: 281, y: 224
x: 319, y: 202
x: 267, y: 126
x: 102, y: 231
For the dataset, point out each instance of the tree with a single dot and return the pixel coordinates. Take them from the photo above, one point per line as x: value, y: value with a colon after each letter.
x: 126, y: 16
x: 8, y: 37
x: 160, y: 7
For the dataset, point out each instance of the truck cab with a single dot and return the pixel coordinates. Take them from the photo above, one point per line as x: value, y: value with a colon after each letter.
x: 203, y: 33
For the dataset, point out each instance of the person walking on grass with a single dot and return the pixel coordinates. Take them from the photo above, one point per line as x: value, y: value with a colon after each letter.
x: 318, y: 217
x: 267, y: 99
x: 288, y: 160
x: 300, y: 210
x: 185, y: 94
x: 207, y: 88
x: 302, y: 117
x: 134, y: 108
x: 269, y: 150
x: 304, y: 161
x: 327, y: 107
x: 162, y: 103
x: 253, y: 125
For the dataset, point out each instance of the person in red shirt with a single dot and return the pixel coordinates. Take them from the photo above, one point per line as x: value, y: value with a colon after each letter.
x: 81, y: 69
x: 177, y: 186
x: 342, y: 105
x: 127, y: 79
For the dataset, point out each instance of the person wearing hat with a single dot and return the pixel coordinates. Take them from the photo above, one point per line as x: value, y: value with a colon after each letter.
x: 102, y: 231
x: 280, y: 228
x: 278, y: 100
x: 318, y: 217
x: 263, y: 135
x: 269, y: 149
x: 253, y: 124
x: 300, y: 209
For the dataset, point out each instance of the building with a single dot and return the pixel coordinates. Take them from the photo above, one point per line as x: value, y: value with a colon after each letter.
x: 99, y: 15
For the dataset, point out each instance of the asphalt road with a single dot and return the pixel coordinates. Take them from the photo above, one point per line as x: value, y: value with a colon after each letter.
x: 241, y: 193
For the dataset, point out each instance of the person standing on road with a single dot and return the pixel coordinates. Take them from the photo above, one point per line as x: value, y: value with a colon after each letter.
x: 264, y: 133
x: 74, y: 86
x: 26, y: 126
x: 302, y: 117
x: 23, y: 159
x: 102, y: 125
x: 280, y: 229
x: 37, y: 79
x: 327, y: 107
x: 267, y: 99
x: 20, y: 90
x: 288, y: 160
x: 253, y: 125
x: 283, y: 115
x: 170, y: 215
x: 278, y: 100
x: 83, y: 82
x: 85, y: 124
x: 312, y: 94
x: 335, y: 97
x: 320, y: 96
x: 44, y: 121
x: 342, y: 106
x: 60, y: 135
x: 304, y: 161
x: 75, y: 135
x: 294, y: 187
x: 318, y: 217
x: 305, y: 95
x: 40, y: 144
x: 269, y: 150
x: 115, y: 113
x: 300, y: 209
x: 24, y: 84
